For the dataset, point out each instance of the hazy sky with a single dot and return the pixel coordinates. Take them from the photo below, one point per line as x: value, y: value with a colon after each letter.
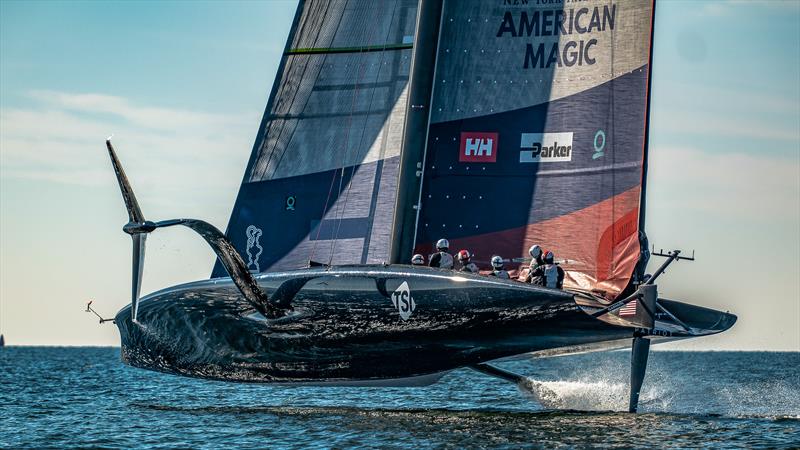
x: 182, y: 86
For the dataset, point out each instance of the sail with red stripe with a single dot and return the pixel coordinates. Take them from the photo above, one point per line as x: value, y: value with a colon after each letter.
x: 537, y: 134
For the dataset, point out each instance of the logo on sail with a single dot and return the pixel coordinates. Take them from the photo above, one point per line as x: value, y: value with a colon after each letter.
x: 253, y: 237
x: 403, y: 301
x: 478, y: 147
x: 545, y: 147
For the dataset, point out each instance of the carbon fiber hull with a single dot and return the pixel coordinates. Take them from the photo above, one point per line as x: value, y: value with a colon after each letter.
x: 353, y: 325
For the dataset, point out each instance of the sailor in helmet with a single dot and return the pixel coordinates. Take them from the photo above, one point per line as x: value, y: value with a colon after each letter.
x: 537, y: 255
x: 466, y: 264
x: 497, y: 268
x: 417, y: 260
x: 552, y: 273
x: 441, y: 258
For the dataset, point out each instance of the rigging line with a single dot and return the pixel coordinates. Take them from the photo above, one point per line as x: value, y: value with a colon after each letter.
x: 297, y: 89
x: 259, y: 170
x: 333, y: 177
x: 282, y: 87
x: 315, y: 24
x: 345, y: 155
x: 395, y: 75
x: 346, y: 143
x: 363, y: 128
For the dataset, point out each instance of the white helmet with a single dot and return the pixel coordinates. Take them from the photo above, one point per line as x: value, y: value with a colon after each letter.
x: 497, y: 262
x: 418, y: 260
x: 535, y: 251
x: 442, y: 244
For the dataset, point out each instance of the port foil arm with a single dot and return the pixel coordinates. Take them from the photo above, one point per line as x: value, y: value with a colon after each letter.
x: 233, y: 263
x: 138, y: 227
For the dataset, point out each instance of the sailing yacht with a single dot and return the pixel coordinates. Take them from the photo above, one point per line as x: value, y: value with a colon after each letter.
x: 496, y: 124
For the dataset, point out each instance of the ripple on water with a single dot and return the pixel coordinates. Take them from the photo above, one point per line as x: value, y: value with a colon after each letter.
x: 87, y: 398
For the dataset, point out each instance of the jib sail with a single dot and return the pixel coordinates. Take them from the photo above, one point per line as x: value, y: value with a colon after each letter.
x: 321, y: 182
x: 537, y: 133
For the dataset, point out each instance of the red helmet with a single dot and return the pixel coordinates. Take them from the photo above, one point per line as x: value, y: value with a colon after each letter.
x: 463, y: 255
x: 549, y: 257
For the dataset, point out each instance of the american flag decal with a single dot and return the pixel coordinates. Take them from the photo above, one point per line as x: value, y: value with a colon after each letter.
x: 629, y: 309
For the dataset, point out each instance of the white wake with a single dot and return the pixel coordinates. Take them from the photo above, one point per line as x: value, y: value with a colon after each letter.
x: 594, y: 395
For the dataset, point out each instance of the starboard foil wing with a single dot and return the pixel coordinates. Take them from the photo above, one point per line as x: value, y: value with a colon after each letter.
x: 537, y: 134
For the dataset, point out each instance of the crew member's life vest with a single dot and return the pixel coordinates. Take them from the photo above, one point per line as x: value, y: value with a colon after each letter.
x: 470, y: 267
x: 442, y: 260
x: 500, y: 274
x: 553, y: 276
x: 535, y: 272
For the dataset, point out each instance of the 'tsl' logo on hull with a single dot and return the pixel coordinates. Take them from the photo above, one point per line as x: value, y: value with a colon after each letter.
x: 403, y: 301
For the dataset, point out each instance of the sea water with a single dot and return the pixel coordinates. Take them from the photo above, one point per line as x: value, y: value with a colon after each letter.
x: 85, y: 397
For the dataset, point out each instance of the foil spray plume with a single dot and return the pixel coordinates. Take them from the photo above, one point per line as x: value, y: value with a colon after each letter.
x: 598, y: 395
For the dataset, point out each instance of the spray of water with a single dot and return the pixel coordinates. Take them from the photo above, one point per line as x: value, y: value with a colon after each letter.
x: 590, y: 395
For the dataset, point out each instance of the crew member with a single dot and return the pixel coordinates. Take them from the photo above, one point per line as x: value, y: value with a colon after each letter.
x: 553, y: 273
x: 537, y: 261
x: 497, y: 268
x: 417, y: 260
x: 466, y: 264
x: 441, y: 258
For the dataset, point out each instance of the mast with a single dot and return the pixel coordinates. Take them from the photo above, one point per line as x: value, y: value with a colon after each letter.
x: 640, y: 268
x: 415, y: 133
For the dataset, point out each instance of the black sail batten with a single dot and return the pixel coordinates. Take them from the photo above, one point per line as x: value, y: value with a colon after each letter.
x: 412, y: 155
x: 321, y: 181
x: 372, y: 48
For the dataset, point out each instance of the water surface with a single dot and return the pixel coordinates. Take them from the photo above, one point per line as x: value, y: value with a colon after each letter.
x: 85, y: 397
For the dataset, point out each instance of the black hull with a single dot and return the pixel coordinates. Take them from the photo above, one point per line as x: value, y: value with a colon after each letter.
x: 346, y: 329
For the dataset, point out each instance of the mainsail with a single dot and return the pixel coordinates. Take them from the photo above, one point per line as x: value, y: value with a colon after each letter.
x: 537, y: 134
x: 534, y: 132
x: 322, y: 178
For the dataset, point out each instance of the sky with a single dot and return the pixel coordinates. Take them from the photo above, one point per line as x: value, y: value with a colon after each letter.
x: 182, y: 87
